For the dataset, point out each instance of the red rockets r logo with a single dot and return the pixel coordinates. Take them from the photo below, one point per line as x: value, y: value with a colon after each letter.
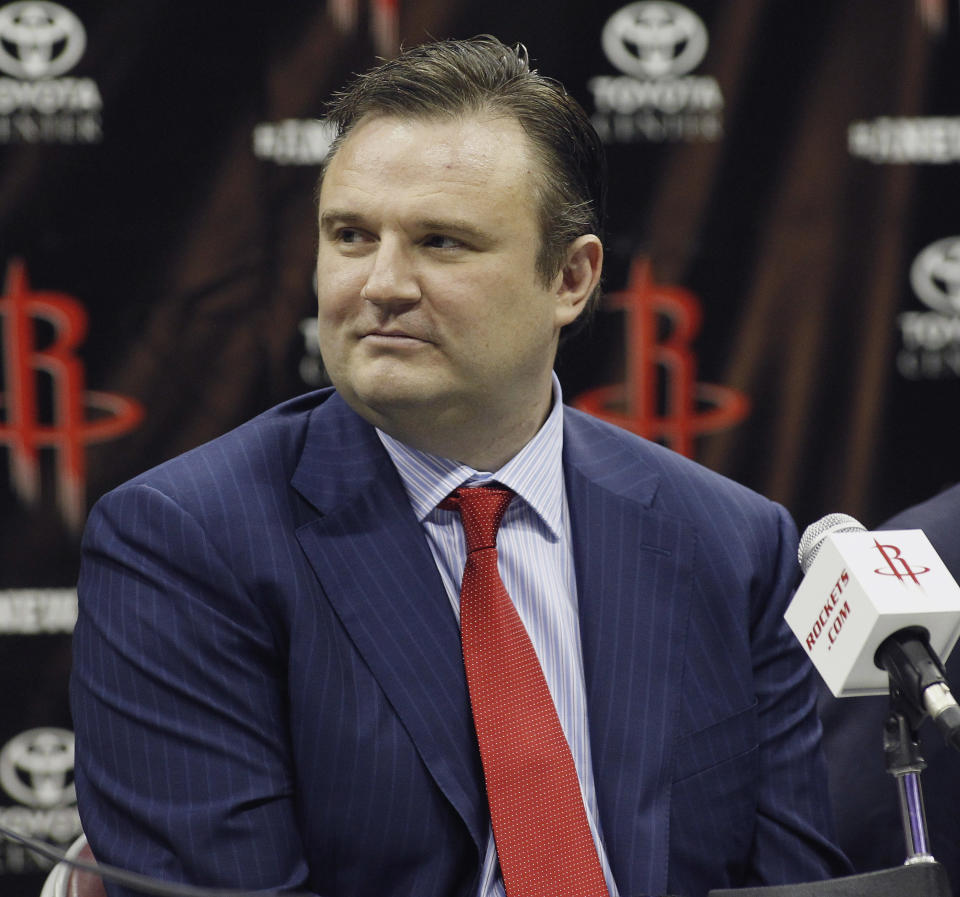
x: 661, y: 398
x: 897, y: 565
x: 30, y: 373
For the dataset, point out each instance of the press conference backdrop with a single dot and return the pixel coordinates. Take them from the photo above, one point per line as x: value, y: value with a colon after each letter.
x: 783, y: 275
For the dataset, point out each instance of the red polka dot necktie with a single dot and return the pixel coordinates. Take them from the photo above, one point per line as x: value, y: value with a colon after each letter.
x: 539, y: 822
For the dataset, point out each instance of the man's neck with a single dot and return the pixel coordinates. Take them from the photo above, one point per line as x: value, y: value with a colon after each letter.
x: 483, y: 442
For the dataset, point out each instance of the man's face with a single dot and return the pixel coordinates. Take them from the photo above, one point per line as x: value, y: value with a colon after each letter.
x: 430, y: 305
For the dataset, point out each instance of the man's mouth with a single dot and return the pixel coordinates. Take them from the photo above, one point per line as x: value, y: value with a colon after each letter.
x: 390, y: 335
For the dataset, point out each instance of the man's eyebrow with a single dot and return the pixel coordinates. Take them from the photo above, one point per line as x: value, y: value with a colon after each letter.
x: 331, y: 217
x: 448, y: 224
x: 455, y: 227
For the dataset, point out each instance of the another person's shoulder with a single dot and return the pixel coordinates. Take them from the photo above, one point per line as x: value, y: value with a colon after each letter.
x: 939, y: 518
x: 940, y: 508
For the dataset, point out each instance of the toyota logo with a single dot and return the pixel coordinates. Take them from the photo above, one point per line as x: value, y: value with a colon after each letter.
x: 655, y: 40
x: 39, y: 40
x: 935, y: 276
x: 36, y: 768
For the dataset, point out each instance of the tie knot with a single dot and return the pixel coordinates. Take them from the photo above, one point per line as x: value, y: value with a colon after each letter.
x: 481, y: 510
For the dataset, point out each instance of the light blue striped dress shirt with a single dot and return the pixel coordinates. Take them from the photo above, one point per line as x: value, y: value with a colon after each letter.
x: 536, y: 564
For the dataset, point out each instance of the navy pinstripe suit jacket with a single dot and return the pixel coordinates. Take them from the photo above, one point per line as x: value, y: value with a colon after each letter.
x: 268, y: 690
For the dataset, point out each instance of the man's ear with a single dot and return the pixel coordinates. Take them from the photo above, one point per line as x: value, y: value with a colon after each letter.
x: 579, y: 277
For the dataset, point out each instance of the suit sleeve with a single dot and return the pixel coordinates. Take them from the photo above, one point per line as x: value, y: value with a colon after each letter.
x: 178, y: 695
x: 794, y: 838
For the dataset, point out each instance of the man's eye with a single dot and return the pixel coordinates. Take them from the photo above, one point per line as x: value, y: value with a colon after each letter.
x: 349, y: 235
x: 439, y: 241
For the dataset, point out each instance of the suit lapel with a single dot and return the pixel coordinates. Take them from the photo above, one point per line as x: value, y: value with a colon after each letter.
x: 634, y: 578
x: 373, y: 562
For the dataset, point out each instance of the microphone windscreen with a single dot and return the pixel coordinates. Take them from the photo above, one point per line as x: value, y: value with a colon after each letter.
x: 814, y: 535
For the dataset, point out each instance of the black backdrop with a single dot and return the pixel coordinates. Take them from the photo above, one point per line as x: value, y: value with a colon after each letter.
x: 777, y: 170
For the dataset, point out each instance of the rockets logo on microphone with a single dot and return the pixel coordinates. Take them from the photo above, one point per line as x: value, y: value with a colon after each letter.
x: 861, y: 587
x: 897, y: 565
x: 836, y: 609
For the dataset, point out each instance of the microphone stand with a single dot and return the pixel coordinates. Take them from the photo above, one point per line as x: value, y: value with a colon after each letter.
x: 901, y: 750
x: 920, y: 875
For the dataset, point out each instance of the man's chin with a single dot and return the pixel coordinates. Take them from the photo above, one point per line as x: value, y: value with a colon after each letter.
x: 385, y: 401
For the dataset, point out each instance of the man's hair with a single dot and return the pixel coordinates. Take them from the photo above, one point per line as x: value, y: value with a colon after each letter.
x: 453, y: 78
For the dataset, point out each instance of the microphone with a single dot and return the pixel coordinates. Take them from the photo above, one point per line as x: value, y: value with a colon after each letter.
x: 875, y: 609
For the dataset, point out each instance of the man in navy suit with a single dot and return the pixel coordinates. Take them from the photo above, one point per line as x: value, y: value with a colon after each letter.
x: 268, y: 688
x: 864, y: 793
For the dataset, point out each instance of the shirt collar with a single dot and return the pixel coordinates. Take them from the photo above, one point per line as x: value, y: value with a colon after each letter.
x: 535, y: 473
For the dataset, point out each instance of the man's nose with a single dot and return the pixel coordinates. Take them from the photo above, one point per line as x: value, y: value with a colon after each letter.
x: 392, y: 277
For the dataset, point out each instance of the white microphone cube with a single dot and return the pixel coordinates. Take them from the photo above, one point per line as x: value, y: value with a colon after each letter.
x: 863, y: 587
